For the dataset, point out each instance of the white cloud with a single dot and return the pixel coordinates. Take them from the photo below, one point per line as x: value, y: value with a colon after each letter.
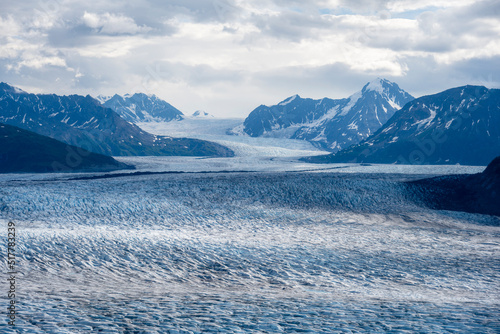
x: 111, y: 47
x: 398, y: 6
x: 40, y: 62
x: 112, y: 24
x: 9, y: 27
x: 232, y: 55
x: 23, y: 46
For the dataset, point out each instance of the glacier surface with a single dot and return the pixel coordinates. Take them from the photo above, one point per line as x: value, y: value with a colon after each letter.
x: 319, y: 251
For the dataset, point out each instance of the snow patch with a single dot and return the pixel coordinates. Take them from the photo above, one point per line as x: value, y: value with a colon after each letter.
x: 18, y: 90
x: 352, y: 101
x: 392, y: 102
x: 102, y: 98
x: 88, y: 122
x: 376, y: 86
x: 321, y: 137
x: 353, y: 126
x: 289, y: 100
x: 389, y: 128
x: 394, y: 139
x: 425, y: 123
x: 330, y: 114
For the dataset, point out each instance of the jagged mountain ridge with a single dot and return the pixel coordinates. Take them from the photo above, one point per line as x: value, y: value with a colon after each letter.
x: 332, y: 123
x: 460, y: 125
x: 83, y: 122
x: 141, y: 108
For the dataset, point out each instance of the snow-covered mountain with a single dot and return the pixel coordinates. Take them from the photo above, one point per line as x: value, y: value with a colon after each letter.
x: 333, y: 124
x: 201, y: 114
x: 83, y: 122
x: 460, y: 125
x: 141, y: 108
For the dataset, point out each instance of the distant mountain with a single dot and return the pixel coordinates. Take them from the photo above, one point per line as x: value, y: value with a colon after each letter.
x: 460, y: 125
x: 201, y: 114
x: 333, y: 124
x: 23, y: 151
x: 476, y: 193
x: 141, y: 108
x: 84, y: 122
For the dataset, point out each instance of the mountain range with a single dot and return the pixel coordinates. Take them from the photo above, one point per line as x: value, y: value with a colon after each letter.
x: 83, y: 122
x: 23, y: 151
x: 379, y: 124
x: 141, y: 108
x: 460, y: 125
x: 330, y: 123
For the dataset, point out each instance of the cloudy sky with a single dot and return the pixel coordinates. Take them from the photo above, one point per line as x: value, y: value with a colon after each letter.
x: 229, y: 56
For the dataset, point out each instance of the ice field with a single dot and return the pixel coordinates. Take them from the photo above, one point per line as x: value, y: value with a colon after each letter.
x: 251, y: 244
x: 259, y: 154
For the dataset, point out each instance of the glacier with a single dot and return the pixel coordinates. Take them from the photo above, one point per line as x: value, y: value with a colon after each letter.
x: 287, y: 248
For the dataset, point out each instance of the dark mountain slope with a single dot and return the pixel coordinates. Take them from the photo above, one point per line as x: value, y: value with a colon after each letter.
x: 23, y: 151
x: 477, y: 193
